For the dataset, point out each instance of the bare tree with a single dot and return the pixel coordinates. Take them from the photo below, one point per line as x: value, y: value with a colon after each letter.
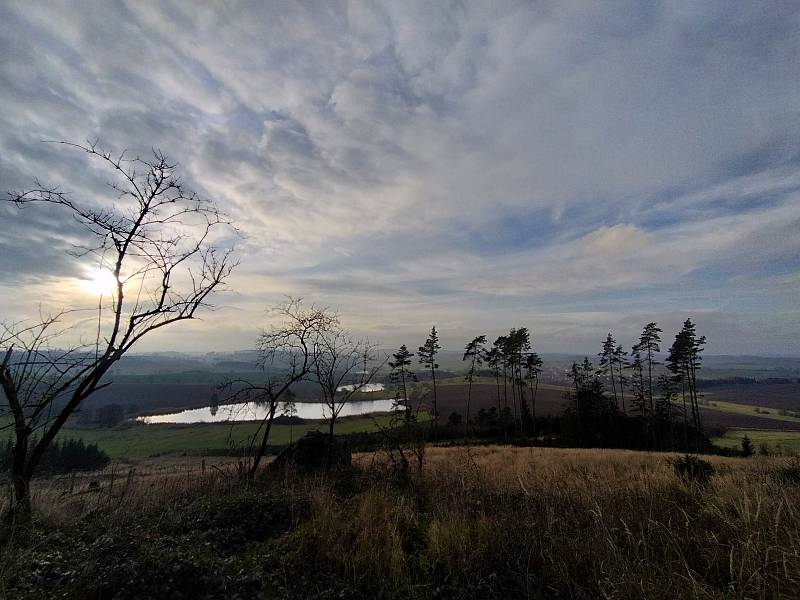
x: 155, y: 239
x: 343, y: 367
x: 287, y: 353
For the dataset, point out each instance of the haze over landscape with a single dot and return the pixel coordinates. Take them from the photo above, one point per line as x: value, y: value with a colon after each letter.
x: 573, y: 167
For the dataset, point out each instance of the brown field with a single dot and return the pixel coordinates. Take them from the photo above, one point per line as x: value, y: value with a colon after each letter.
x: 725, y: 420
x: 782, y: 396
x: 452, y: 398
x: 550, y: 402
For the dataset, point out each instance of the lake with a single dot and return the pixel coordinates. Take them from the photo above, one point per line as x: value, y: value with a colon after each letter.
x: 251, y: 411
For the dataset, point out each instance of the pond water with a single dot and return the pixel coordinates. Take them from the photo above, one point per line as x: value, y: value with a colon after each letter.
x: 251, y: 411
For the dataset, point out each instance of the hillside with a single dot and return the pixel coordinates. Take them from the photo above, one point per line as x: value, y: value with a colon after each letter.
x: 490, y: 522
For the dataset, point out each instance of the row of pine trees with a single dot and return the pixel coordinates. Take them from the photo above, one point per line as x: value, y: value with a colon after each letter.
x: 627, y: 399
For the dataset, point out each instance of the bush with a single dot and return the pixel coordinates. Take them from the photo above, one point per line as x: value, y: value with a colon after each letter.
x: 747, y: 447
x: 692, y: 468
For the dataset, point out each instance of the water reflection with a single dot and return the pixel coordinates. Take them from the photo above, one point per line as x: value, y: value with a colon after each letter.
x: 251, y: 411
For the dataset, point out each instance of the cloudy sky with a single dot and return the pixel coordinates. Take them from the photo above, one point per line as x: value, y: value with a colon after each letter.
x: 572, y: 167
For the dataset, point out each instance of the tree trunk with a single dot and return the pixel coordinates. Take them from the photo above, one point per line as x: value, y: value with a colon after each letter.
x: 613, y: 382
x: 499, y: 405
x: 263, y: 446
x: 505, y: 401
x: 21, y: 466
x: 469, y: 397
x: 533, y: 404
x: 435, y: 408
x: 20, y: 509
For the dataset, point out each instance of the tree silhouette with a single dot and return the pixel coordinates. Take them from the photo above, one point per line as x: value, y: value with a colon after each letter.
x: 517, y: 346
x: 639, y: 404
x: 500, y: 349
x: 402, y: 376
x: 474, y: 354
x: 342, y: 367
x: 684, y: 361
x: 607, y: 363
x: 620, y: 360
x: 533, y: 368
x: 287, y: 353
x: 153, y: 238
x: 494, y: 359
x: 649, y: 346
x: 427, y: 358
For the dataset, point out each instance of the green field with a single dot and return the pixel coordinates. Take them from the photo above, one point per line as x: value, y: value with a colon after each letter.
x: 746, y: 409
x: 143, y: 441
x: 785, y: 442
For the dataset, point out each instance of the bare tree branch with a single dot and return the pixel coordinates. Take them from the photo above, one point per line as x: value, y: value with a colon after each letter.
x: 155, y: 238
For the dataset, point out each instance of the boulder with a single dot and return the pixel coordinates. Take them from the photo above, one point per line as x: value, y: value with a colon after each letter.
x: 315, y: 450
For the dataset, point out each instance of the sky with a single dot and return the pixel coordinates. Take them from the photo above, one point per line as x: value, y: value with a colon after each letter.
x: 572, y: 167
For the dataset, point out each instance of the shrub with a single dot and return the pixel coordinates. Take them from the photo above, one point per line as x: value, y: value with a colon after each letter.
x: 747, y: 447
x: 693, y: 468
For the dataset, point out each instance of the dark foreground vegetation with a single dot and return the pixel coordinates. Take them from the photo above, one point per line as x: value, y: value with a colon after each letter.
x: 62, y: 456
x: 490, y: 522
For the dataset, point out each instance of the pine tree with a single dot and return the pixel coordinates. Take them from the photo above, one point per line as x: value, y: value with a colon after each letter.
x: 639, y: 401
x: 533, y: 368
x: 493, y: 359
x: 747, y: 447
x: 474, y: 353
x: 607, y: 363
x: 649, y: 346
x: 427, y: 358
x: 517, y: 345
x: 402, y: 376
x: 620, y: 360
x: 498, y: 362
x: 666, y: 408
x: 684, y: 361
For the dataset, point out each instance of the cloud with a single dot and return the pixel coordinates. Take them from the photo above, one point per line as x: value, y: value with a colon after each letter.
x: 572, y: 166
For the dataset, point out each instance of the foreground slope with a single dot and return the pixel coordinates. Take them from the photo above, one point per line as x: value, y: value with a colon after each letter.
x: 488, y: 522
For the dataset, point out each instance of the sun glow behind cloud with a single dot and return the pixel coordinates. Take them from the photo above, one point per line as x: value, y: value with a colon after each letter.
x: 100, y: 282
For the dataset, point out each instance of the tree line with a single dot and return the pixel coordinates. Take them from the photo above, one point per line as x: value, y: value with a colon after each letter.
x: 61, y: 456
x: 625, y: 400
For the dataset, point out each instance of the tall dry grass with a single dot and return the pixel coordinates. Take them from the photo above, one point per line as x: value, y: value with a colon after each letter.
x: 500, y: 522
x: 124, y: 489
x: 528, y: 522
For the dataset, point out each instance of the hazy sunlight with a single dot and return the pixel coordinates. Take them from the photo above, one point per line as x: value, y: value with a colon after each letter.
x: 100, y: 282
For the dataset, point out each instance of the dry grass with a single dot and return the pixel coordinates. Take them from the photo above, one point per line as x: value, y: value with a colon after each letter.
x: 127, y: 487
x: 603, y: 523
x: 497, y: 522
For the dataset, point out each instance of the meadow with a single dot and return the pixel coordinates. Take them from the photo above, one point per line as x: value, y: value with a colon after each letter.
x: 488, y: 522
x: 779, y: 442
x: 142, y: 441
x: 752, y: 412
x: 756, y: 411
